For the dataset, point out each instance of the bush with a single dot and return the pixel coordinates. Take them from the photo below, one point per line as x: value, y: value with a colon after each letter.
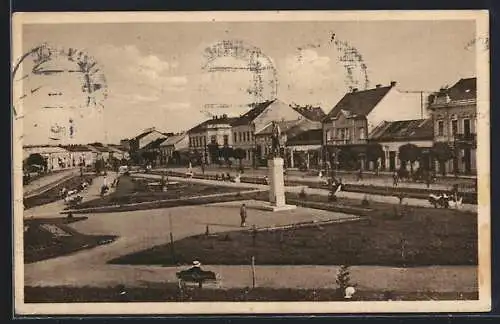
x: 302, y: 193
x: 343, y: 278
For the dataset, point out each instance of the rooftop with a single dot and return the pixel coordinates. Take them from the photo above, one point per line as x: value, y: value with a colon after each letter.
x: 284, y: 125
x: 403, y: 130
x: 172, y: 140
x: 213, y: 121
x: 359, y: 103
x: 154, y: 144
x: 253, y: 113
x: 464, y: 89
x: 309, y: 112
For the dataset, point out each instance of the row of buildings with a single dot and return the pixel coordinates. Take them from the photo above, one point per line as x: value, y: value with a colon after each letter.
x: 365, y: 129
x: 70, y: 156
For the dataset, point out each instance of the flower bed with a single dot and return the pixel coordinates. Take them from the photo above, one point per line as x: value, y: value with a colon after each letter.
x: 50, y: 238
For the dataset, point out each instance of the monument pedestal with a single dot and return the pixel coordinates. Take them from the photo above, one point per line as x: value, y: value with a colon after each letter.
x: 276, y: 186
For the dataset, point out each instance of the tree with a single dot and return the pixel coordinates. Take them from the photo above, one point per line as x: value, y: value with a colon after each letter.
x: 150, y: 156
x: 239, y: 154
x: 443, y: 153
x: 409, y: 153
x: 226, y: 153
x: 374, y: 151
x: 36, y: 159
x: 213, y: 152
x: 195, y: 157
x: 99, y: 165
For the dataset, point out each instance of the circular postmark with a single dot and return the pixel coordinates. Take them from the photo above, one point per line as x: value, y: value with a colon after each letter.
x: 263, y: 82
x: 481, y: 42
x: 62, y: 84
x: 349, y: 60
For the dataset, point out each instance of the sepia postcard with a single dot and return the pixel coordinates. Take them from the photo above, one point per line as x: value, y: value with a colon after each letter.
x: 298, y: 162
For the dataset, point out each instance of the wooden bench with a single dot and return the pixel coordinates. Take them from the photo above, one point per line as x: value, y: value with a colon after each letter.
x: 187, y: 277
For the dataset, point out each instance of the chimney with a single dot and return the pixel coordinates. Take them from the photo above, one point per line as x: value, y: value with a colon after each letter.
x: 393, y: 83
x: 378, y: 86
x: 354, y: 90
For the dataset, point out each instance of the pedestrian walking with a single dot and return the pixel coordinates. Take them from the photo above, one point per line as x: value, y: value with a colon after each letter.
x: 360, y: 174
x: 428, y: 180
x: 395, y: 179
x: 243, y: 215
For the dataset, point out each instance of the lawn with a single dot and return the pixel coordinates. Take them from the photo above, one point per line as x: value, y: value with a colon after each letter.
x: 170, y: 293
x: 391, y: 236
x: 50, y: 238
x: 131, y: 190
x: 53, y: 194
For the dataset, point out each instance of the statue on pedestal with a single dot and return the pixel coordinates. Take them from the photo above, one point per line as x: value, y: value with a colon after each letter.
x: 275, y: 140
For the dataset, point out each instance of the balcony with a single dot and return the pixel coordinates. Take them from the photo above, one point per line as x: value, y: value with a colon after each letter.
x: 336, y: 141
x: 465, y: 137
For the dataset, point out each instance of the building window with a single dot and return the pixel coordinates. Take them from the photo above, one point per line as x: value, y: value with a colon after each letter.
x: 226, y: 140
x: 248, y: 136
x: 190, y: 141
x: 467, y: 130
x: 252, y: 136
x: 204, y: 140
x: 213, y: 139
x: 454, y: 127
x: 362, y: 134
x: 440, y: 128
x: 234, y: 137
x: 244, y: 137
x: 239, y: 136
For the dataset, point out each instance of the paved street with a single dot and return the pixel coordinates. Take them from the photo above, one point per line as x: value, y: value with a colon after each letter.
x: 347, y: 177
x: 324, y: 192
x: 140, y: 230
x: 53, y: 209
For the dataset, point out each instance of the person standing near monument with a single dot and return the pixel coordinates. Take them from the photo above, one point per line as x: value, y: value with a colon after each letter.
x: 243, y: 215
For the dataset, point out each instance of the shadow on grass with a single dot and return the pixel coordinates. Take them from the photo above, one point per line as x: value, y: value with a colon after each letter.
x: 171, y: 293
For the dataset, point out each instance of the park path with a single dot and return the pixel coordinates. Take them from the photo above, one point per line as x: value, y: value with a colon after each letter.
x: 48, y: 181
x: 139, y: 230
x: 347, y: 178
x: 51, y: 210
x: 317, y: 191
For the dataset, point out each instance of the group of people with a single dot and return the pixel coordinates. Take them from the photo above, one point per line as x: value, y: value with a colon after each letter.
x: 228, y: 177
x: 73, y: 195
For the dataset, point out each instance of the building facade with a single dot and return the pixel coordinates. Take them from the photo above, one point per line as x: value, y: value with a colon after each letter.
x: 81, y: 155
x: 175, y: 143
x: 347, y: 127
x: 208, y: 138
x: 246, y: 127
x: 454, y: 114
x: 393, y: 135
x: 56, y: 157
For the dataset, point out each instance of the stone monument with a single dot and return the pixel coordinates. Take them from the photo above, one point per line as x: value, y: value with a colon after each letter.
x: 275, y: 174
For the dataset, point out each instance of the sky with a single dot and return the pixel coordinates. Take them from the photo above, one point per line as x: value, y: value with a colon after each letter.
x: 155, y: 77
